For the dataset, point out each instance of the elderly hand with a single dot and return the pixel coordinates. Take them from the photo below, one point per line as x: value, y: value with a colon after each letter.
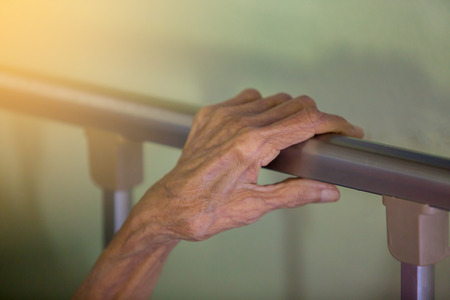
x: 214, y: 187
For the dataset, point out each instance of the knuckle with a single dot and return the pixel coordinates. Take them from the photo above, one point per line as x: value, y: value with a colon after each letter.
x: 314, y: 116
x: 203, y: 112
x: 299, y: 102
x: 250, y: 93
x: 306, y: 101
x: 283, y: 96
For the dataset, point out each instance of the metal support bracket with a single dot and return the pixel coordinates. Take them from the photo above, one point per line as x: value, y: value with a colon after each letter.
x: 116, y: 165
x: 418, y: 238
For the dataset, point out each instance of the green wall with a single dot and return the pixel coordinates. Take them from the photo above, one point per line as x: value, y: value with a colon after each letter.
x: 384, y: 65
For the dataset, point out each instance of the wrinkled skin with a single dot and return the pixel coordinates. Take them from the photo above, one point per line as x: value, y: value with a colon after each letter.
x: 214, y: 187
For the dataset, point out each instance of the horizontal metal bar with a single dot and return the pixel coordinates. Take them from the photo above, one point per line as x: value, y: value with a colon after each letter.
x: 370, y: 167
x: 344, y: 161
x: 135, y: 116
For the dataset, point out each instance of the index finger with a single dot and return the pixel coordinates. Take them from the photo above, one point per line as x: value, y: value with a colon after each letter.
x: 307, y: 123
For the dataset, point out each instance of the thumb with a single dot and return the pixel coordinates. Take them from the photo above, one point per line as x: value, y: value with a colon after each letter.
x: 294, y: 192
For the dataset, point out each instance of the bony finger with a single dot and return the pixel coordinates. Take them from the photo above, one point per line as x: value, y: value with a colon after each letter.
x: 247, y: 95
x: 296, y: 192
x: 264, y: 104
x: 336, y: 124
x: 304, y: 124
x: 282, y: 110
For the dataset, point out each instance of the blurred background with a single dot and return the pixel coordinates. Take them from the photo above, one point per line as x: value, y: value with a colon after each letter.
x: 384, y: 65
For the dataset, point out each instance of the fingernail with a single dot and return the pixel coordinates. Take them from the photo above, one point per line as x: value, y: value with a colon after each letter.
x: 329, y: 195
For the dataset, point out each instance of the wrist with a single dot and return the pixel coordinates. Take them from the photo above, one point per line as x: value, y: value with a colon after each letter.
x: 142, y: 232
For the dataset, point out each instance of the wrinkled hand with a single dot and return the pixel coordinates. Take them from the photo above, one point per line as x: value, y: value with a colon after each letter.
x: 214, y: 187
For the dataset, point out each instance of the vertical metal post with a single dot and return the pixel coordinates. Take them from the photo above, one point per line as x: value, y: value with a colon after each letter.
x: 116, y: 207
x: 417, y: 282
x: 418, y: 238
x: 116, y: 165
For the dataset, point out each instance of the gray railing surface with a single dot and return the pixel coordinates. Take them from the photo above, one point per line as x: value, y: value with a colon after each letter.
x: 349, y: 162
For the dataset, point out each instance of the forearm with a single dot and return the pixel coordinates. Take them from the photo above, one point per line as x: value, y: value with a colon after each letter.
x: 130, y: 266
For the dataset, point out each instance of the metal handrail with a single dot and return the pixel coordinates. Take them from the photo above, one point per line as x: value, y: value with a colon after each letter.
x: 353, y: 163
